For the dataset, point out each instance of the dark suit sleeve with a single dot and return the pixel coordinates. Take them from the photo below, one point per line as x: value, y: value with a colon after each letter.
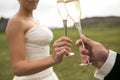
x: 115, y: 72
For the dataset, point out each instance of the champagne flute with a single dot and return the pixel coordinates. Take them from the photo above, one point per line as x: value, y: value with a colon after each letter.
x: 74, y: 11
x: 64, y: 15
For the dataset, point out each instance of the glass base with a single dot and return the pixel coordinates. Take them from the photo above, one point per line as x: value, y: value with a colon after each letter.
x: 85, y: 64
x: 71, y: 54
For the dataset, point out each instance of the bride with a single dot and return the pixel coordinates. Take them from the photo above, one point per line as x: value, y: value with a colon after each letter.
x: 28, y: 43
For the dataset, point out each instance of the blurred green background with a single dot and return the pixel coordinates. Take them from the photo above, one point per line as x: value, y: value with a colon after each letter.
x: 69, y: 69
x: 104, y: 29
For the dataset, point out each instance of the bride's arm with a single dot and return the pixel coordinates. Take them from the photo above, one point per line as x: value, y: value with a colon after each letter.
x: 15, y: 38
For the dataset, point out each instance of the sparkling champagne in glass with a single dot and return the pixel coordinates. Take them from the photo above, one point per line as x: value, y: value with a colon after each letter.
x: 64, y: 15
x: 74, y: 11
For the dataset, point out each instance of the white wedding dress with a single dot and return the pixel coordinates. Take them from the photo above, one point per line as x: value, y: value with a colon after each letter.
x: 37, y: 41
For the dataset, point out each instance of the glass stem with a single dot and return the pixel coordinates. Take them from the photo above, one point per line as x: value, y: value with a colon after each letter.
x: 79, y: 28
x: 65, y: 27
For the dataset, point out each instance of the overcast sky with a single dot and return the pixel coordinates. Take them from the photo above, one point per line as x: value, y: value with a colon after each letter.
x: 47, y: 13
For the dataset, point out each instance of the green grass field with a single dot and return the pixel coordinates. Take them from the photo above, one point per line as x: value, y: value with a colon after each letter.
x: 69, y: 69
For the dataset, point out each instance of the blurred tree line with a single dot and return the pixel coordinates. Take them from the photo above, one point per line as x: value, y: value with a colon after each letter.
x: 109, y: 21
x: 3, y: 23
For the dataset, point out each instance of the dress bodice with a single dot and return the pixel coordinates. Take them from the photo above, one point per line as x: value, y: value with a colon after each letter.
x: 38, y: 35
x: 37, y: 41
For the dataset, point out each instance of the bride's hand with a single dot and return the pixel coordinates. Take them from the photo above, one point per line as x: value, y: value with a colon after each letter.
x: 61, y: 47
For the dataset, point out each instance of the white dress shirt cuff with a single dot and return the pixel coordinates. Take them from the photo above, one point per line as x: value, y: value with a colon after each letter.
x: 107, y: 66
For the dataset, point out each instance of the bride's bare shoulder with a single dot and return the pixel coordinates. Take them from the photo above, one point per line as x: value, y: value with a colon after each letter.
x: 14, y: 24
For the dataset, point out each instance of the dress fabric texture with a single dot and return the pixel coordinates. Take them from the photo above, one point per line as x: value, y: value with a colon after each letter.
x: 37, y: 41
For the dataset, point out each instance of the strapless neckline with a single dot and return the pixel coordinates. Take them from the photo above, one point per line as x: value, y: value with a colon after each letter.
x: 31, y: 29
